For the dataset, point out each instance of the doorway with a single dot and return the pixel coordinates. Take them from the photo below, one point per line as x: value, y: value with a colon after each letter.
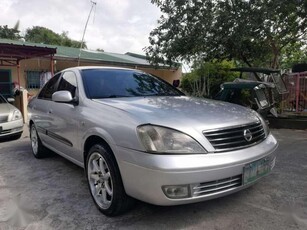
x: 6, y: 86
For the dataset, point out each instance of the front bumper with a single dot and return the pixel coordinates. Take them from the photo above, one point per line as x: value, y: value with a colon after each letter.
x: 11, y: 128
x: 144, y: 174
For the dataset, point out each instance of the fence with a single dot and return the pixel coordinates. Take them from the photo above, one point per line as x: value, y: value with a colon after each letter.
x: 295, y: 101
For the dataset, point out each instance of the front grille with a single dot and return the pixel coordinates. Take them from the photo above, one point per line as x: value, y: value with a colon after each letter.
x: 5, y: 131
x: 217, y: 186
x: 3, y: 118
x: 233, y: 137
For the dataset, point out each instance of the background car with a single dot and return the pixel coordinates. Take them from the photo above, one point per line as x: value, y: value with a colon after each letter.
x: 139, y: 137
x: 251, y: 94
x: 11, y: 121
x: 258, y: 88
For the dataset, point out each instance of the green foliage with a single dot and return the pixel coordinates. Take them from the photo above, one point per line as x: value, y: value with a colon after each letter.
x: 39, y: 34
x: 44, y: 35
x: 206, y: 78
x: 9, y: 33
x: 293, y: 54
x: 66, y: 41
x: 252, y: 32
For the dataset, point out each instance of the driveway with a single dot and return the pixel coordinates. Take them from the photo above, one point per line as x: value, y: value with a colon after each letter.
x: 52, y: 194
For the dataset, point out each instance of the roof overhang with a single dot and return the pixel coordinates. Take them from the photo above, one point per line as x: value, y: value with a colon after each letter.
x: 114, y: 63
x: 11, y: 54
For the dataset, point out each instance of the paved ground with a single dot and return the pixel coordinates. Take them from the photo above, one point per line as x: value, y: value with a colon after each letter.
x: 52, y: 194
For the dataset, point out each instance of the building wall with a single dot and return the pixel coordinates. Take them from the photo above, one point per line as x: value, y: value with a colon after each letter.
x: 165, y: 74
x: 28, y: 65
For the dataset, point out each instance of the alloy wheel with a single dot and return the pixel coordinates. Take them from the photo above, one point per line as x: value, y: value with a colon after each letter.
x: 34, y: 140
x: 100, y: 180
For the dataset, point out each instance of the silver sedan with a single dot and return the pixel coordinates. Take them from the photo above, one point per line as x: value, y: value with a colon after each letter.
x: 11, y: 121
x: 139, y: 137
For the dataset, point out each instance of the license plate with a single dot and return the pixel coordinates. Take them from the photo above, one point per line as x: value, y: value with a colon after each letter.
x: 257, y: 169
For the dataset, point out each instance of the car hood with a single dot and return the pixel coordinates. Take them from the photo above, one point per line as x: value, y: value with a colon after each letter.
x: 182, y: 112
x: 6, y: 108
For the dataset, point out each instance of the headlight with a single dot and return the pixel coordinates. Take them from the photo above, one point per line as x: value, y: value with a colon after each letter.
x: 265, y: 125
x: 16, y: 115
x: 158, y: 139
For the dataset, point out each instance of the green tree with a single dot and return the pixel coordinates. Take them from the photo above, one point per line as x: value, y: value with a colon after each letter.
x: 206, y: 77
x: 44, y: 35
x: 252, y: 32
x: 293, y: 54
x: 10, y: 33
x: 66, y: 41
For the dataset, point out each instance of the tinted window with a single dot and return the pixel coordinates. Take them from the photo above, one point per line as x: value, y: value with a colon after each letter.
x: 49, y: 88
x: 103, y: 83
x: 68, y: 82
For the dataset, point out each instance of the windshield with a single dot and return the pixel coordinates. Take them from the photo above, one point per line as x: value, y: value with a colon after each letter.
x: 2, y: 100
x: 112, y: 83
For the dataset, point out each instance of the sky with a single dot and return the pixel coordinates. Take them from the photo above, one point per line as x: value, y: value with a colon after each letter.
x: 117, y: 26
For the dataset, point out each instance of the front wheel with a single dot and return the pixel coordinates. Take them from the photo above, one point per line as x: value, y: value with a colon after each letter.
x: 104, y: 181
x: 38, y: 150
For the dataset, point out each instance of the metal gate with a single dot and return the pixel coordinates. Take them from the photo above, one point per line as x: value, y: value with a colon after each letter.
x: 296, y: 99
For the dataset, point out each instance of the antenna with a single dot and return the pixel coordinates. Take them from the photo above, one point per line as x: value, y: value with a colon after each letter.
x: 82, y: 40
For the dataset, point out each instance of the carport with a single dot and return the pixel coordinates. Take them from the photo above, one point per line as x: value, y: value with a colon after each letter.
x: 12, y: 54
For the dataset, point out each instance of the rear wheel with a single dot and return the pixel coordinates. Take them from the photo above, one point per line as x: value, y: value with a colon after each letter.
x: 104, y: 181
x: 38, y: 150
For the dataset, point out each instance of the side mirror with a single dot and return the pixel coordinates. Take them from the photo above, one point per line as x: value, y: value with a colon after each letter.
x: 62, y: 96
x: 10, y: 100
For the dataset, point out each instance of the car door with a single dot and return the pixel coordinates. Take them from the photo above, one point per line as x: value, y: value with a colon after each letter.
x: 40, y: 108
x: 65, y: 119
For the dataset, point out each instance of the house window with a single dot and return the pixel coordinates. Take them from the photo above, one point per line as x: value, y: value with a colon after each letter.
x: 33, y: 79
x: 5, y: 83
x: 37, y: 79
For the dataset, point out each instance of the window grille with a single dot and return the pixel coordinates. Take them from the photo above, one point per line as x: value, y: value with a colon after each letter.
x: 33, y: 79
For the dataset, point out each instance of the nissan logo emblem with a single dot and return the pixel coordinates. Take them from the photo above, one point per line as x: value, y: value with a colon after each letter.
x: 247, y: 135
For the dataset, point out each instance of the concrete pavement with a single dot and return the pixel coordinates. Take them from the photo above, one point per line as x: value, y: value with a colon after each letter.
x: 52, y: 194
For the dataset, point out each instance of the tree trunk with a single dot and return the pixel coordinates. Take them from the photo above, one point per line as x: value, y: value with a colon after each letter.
x: 275, y: 61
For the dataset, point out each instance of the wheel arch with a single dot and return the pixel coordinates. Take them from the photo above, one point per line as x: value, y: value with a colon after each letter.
x: 91, y: 141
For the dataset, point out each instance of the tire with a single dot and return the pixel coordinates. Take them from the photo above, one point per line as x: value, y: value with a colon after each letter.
x: 105, y: 183
x: 38, y: 149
